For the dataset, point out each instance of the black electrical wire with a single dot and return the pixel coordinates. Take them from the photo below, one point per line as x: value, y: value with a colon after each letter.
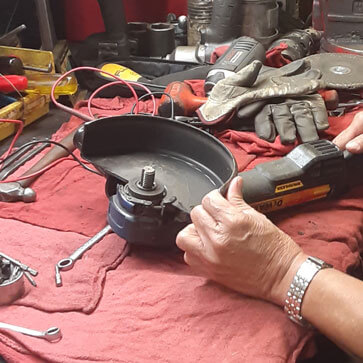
x: 80, y: 162
x: 154, y: 94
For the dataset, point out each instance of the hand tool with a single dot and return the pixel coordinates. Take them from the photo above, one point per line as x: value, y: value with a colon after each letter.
x: 357, y: 103
x: 15, y: 156
x: 51, y: 335
x: 30, y: 279
x: 38, y: 83
x: 342, y: 108
x: 68, y: 263
x: 11, y: 39
x: 58, y: 277
x: 5, y: 171
x: 21, y: 265
x: 240, y: 53
x: 20, y: 191
x: 14, y: 65
x: 14, y: 192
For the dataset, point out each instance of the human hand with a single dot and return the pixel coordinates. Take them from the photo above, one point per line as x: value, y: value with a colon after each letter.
x: 351, y: 138
x: 233, y: 244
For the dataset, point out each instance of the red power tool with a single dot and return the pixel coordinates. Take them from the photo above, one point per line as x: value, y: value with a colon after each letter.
x: 186, y: 102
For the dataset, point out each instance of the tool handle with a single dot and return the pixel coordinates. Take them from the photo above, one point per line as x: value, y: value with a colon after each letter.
x: 92, y: 241
x: 240, y: 53
x: 25, y: 331
x: 19, y: 82
x: 185, y: 102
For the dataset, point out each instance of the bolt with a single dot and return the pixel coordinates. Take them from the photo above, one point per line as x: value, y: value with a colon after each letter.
x: 147, y: 181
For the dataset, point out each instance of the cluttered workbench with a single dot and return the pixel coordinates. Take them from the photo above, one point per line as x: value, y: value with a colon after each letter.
x: 146, y: 121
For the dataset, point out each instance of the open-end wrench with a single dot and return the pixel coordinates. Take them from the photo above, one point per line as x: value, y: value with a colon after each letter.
x: 51, y: 335
x: 67, y: 263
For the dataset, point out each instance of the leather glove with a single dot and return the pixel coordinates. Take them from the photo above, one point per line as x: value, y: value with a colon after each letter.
x: 305, y: 116
x: 252, y: 84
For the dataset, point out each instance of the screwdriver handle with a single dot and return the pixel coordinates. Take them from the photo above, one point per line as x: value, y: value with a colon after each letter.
x: 7, y: 83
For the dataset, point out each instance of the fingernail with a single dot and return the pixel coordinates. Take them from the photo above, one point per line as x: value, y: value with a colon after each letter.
x: 353, y: 146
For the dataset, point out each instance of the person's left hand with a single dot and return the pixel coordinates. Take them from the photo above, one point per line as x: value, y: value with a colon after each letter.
x: 233, y: 244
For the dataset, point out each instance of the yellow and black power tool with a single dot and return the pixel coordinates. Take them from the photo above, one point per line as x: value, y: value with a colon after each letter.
x: 311, y: 171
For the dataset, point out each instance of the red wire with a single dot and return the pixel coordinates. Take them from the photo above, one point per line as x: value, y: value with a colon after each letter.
x: 118, y: 82
x: 18, y: 132
x: 77, y: 113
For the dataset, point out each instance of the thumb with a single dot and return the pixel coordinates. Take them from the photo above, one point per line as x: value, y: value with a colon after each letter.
x: 234, y: 193
x: 246, y: 77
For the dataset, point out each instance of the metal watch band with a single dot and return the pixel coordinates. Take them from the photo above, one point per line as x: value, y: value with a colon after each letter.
x: 310, y: 267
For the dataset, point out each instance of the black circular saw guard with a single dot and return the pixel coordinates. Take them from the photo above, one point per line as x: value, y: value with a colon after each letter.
x: 188, y: 161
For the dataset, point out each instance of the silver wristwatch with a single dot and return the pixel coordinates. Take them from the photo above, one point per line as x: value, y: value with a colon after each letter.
x: 299, y: 284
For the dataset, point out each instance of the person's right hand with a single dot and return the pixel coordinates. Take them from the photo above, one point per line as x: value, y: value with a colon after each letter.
x: 351, y: 138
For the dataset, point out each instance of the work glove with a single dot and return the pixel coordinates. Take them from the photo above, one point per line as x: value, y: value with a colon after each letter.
x: 252, y: 83
x: 305, y: 116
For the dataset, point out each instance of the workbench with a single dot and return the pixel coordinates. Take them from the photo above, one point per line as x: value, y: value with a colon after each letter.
x: 45, y: 127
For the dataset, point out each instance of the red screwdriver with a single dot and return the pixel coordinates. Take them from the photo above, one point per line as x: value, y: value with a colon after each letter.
x: 39, y: 83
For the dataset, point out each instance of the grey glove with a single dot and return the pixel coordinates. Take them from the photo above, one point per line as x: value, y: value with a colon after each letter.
x: 252, y: 84
x: 305, y: 116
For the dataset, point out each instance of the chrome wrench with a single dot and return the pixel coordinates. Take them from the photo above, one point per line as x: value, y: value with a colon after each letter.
x: 68, y: 263
x: 51, y: 335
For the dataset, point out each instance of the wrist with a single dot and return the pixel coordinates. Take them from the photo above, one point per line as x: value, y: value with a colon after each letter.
x: 281, y: 288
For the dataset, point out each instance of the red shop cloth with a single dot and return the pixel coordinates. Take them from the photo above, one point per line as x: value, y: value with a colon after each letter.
x: 151, y: 307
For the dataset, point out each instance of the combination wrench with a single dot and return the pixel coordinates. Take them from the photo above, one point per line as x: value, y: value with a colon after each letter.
x: 68, y: 263
x: 53, y: 334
